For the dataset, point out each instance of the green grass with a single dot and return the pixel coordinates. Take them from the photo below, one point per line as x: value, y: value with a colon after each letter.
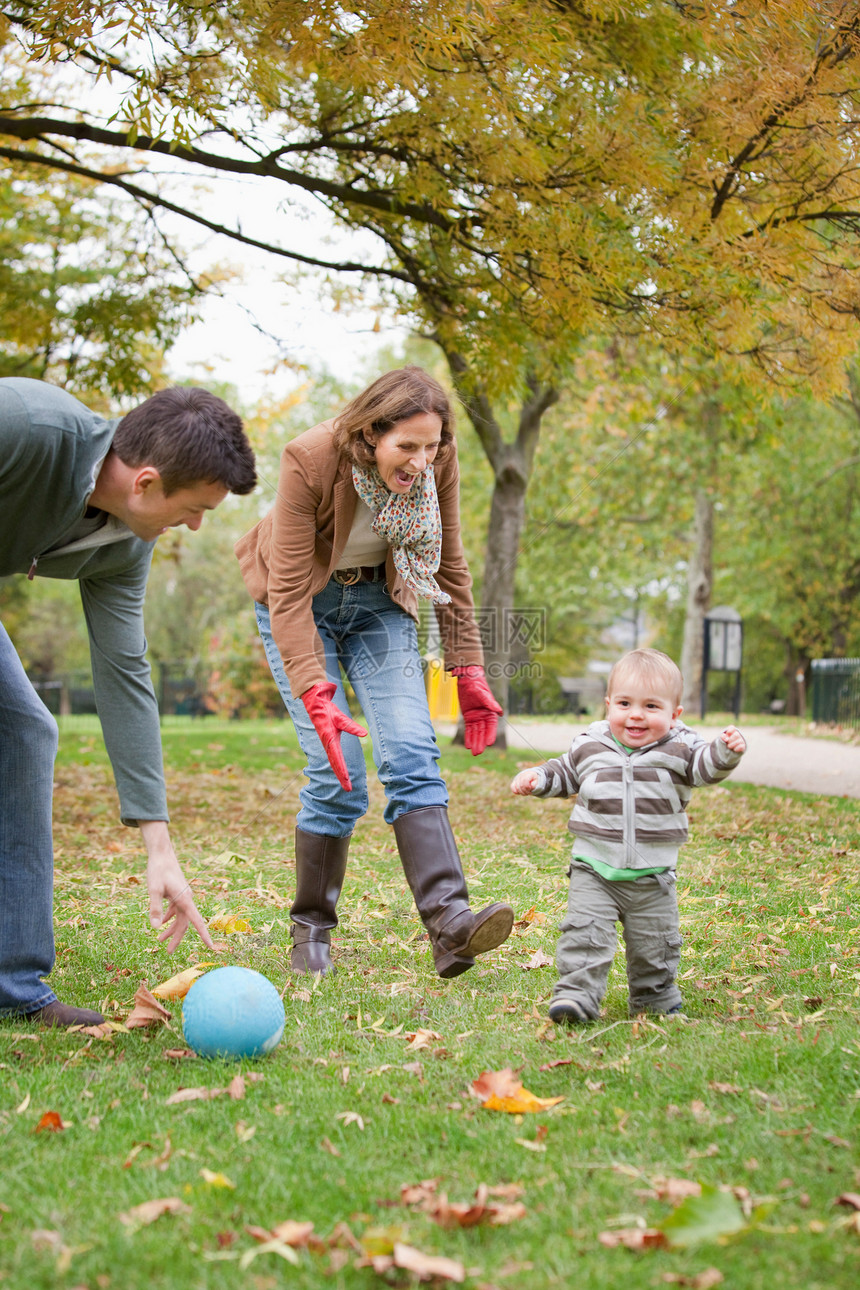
x: 757, y: 1089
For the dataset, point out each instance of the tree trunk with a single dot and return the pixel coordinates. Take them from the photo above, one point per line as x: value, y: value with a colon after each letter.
x: 699, y: 579
x: 512, y: 465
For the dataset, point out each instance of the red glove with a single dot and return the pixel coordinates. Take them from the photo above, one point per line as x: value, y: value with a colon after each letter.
x: 329, y: 723
x: 480, y: 711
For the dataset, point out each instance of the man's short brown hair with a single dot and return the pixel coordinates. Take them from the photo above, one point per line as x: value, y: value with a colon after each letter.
x: 191, y: 437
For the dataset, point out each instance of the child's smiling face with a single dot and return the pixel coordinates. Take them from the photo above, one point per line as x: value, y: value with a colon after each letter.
x: 639, y: 714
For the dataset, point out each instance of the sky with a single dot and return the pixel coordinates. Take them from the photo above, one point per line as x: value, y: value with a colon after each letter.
x: 256, y: 319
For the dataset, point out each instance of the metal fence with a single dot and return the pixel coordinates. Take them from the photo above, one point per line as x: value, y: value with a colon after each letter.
x: 836, y: 691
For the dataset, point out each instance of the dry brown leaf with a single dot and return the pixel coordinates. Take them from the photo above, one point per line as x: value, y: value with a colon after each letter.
x: 507, y: 1191
x: 701, y: 1281
x: 147, y: 1011
x: 419, y: 1193
x: 427, y: 1267
x: 633, y: 1238
x: 44, y: 1238
x: 849, y: 1198
x: 193, y: 1095
x: 150, y: 1210
x: 537, y: 960
x: 424, y: 1196
x: 176, y: 987
x: 420, y: 1039
x: 292, y: 1232
x: 51, y: 1122
x: 674, y: 1190
x: 236, y: 1088
x: 531, y: 916
x: 178, y: 1054
x: 502, y: 1091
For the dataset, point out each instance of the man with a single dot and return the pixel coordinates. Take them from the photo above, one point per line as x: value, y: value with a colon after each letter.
x: 86, y: 498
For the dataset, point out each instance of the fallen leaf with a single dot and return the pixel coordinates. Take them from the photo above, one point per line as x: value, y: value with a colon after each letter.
x: 147, y: 1011
x: 178, y: 1054
x: 151, y: 1210
x: 502, y: 1091
x: 707, y: 1217
x: 836, y: 1141
x: 236, y: 1088
x: 20, y: 1109
x: 328, y: 1145
x: 45, y: 1239
x: 230, y: 924
x: 421, y: 1039
x: 537, y: 960
x: 178, y: 986
x: 675, y: 1190
x: 293, y: 1233
x: 269, y: 1247
x: 849, y: 1198
x: 213, y: 1179
x: 350, y: 1117
x: 51, y: 1122
x: 427, y: 1267
x: 634, y: 1238
x: 507, y: 1191
x: 701, y: 1281
x: 193, y: 1095
x: 104, y: 1030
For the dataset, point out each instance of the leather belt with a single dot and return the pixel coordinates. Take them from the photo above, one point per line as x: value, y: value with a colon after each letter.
x: 363, y: 573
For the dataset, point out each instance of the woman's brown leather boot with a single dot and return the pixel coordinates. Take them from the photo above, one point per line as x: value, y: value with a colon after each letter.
x: 320, y: 871
x: 434, y: 872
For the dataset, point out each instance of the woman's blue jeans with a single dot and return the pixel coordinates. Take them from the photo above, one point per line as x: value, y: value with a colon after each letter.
x: 375, y: 642
x: 28, y: 746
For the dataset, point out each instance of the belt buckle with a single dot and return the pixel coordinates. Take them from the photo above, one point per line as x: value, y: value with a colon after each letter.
x: 348, y: 577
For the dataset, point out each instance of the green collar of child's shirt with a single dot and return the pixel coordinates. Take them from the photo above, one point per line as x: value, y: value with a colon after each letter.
x: 622, y: 746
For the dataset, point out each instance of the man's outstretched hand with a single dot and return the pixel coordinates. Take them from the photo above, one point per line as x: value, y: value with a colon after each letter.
x: 166, y: 883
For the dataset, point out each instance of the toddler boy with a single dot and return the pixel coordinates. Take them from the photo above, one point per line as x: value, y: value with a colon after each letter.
x: 633, y: 775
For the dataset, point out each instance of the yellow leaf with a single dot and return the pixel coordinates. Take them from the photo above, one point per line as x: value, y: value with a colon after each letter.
x: 230, y: 924
x: 217, y: 1179
x: 502, y: 1091
x: 178, y: 986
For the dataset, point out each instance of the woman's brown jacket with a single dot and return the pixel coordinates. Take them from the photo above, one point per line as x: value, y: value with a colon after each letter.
x: 291, y: 554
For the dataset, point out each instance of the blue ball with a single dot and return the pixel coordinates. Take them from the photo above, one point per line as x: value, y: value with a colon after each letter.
x: 232, y: 1012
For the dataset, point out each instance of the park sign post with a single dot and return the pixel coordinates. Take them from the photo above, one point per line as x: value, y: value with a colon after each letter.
x: 722, y: 650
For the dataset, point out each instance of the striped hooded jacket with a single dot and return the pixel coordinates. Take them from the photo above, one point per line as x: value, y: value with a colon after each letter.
x: 631, y: 807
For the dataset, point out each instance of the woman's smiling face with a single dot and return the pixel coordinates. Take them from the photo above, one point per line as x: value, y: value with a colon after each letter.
x: 406, y: 450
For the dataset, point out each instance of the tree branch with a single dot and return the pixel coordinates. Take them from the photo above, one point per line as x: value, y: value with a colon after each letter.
x: 150, y: 200
x: 267, y: 167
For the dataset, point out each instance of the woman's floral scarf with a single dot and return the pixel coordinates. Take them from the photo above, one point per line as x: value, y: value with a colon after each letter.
x: 412, y: 526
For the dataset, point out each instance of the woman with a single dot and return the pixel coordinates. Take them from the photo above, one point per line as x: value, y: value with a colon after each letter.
x: 367, y: 519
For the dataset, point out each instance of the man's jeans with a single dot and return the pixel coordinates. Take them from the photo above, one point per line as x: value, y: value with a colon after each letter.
x: 647, y: 909
x: 375, y: 642
x: 28, y: 746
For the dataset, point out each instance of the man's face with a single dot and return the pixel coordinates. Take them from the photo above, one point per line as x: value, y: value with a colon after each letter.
x: 150, y: 513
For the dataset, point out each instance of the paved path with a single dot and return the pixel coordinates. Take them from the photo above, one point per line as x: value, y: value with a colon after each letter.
x: 804, y: 763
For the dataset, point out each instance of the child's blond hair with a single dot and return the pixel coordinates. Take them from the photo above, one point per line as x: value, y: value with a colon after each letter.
x: 651, y: 666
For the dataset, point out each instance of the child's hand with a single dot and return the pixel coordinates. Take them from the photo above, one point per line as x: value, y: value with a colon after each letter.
x: 733, y: 739
x: 523, y: 783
